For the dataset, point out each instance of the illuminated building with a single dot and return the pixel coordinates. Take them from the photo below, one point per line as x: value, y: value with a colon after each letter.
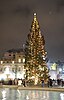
x: 12, y: 65
x: 56, y: 70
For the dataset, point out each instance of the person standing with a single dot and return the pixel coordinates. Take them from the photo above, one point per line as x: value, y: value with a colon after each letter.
x: 42, y: 83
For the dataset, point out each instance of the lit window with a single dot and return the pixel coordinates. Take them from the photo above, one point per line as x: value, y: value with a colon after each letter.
x: 1, y: 62
x: 23, y: 60
x: 19, y: 60
x: 12, y: 62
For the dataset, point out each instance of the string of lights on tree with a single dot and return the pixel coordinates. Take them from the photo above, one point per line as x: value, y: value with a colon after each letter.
x: 35, y: 54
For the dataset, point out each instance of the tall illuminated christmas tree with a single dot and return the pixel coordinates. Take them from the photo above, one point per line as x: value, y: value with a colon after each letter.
x: 35, y: 54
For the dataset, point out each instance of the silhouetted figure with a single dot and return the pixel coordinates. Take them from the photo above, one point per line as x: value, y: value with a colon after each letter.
x: 42, y: 83
x: 23, y: 82
x: 50, y: 82
x: 58, y: 81
x: 62, y: 83
x: 10, y: 82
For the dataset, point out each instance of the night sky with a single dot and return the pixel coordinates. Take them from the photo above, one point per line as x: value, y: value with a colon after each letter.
x: 15, y: 22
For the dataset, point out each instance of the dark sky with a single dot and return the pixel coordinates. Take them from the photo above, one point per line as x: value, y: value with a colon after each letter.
x: 15, y: 22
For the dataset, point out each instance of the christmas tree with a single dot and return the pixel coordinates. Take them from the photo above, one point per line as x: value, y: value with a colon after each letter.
x: 35, y: 54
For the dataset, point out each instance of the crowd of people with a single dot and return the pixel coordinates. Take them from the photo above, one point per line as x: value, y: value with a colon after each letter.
x: 54, y: 83
x: 14, y: 82
x: 24, y: 82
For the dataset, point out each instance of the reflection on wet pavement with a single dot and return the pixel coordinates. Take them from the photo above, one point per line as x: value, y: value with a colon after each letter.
x: 12, y: 94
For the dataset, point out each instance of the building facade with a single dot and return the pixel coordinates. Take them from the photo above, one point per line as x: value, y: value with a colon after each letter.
x: 56, y: 70
x: 12, y: 65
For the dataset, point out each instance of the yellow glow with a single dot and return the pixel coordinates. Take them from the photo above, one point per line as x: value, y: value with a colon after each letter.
x: 3, y: 76
x: 1, y: 62
x: 53, y: 67
x: 23, y: 60
x: 12, y: 62
x: 8, y: 74
x: 7, y: 71
x: 12, y: 76
x: 19, y: 60
x: 34, y: 14
x: 36, y: 80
